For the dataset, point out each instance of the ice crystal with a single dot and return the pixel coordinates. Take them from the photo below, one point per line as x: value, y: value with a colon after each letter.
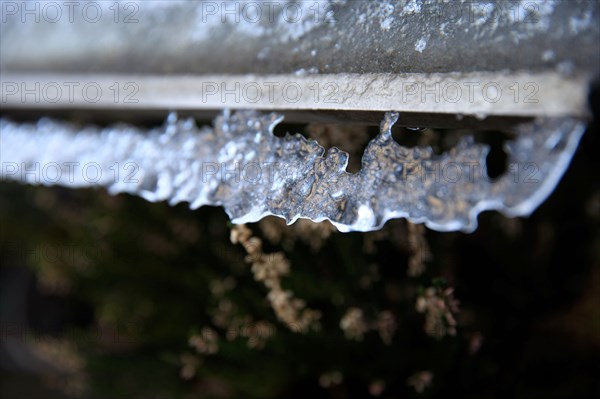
x: 241, y: 165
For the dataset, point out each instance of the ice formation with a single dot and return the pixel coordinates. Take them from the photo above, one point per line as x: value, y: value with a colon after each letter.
x: 241, y: 165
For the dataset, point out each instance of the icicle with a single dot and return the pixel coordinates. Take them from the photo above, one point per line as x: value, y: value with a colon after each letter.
x: 242, y: 166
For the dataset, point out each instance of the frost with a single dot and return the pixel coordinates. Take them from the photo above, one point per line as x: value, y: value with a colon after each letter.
x: 411, y: 7
x: 386, y: 19
x: 305, y: 72
x: 288, y: 20
x: 536, y: 15
x: 240, y: 165
x: 386, y: 24
x: 548, y: 55
x: 420, y: 45
x: 579, y: 24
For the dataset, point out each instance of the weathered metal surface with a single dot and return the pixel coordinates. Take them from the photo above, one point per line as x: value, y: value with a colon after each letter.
x: 284, y: 37
x: 477, y: 93
x: 511, y: 58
